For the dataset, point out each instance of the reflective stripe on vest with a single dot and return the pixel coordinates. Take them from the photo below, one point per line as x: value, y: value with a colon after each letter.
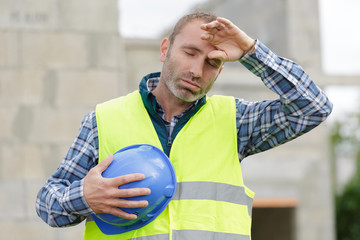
x: 191, y: 235
x: 211, y: 201
x: 213, y: 191
x: 194, y: 234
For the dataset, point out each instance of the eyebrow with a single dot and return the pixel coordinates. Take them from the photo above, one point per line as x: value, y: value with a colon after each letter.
x: 192, y: 47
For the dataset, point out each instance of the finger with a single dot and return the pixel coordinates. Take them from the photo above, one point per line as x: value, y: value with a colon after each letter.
x: 104, y: 164
x: 213, y: 30
x: 215, y: 25
x: 218, y: 54
x: 224, y: 21
x: 132, y: 192
x: 128, y: 178
x: 120, y: 213
x: 207, y: 36
x: 123, y: 203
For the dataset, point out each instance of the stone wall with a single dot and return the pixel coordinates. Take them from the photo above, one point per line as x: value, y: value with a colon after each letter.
x: 58, y: 59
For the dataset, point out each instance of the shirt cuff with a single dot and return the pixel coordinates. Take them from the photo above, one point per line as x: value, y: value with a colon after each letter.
x: 75, y: 200
x: 262, y: 61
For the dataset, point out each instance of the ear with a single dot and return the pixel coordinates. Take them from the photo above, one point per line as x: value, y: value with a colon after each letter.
x: 164, y: 48
x: 220, y: 70
x: 222, y: 67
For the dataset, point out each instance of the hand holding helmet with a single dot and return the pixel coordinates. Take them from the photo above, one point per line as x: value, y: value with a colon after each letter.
x: 104, y: 196
x: 129, y: 166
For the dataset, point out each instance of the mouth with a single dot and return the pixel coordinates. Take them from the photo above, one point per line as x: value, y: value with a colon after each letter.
x: 190, y: 84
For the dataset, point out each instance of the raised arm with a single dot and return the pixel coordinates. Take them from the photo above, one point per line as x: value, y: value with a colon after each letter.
x: 301, y: 105
x: 263, y: 125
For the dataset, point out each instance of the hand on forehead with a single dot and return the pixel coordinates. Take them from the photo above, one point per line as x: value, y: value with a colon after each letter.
x: 231, y: 42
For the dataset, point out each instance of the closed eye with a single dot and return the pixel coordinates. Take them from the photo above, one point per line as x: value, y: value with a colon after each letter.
x: 214, y: 62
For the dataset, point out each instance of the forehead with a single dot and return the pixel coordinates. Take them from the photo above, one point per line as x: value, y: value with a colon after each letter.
x: 190, y: 34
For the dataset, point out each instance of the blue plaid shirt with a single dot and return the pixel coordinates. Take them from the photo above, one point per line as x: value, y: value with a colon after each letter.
x: 260, y: 125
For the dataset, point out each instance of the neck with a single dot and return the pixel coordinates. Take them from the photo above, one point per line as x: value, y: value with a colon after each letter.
x: 171, y: 105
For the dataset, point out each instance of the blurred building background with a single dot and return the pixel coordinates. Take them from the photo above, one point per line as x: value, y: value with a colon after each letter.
x: 58, y: 59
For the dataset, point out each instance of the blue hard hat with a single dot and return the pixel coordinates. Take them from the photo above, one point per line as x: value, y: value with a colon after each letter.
x: 159, y: 177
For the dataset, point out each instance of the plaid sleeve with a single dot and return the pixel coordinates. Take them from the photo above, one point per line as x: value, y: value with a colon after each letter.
x: 301, y: 105
x: 60, y: 202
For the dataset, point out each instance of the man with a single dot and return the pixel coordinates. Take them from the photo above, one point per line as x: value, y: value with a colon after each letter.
x: 204, y: 137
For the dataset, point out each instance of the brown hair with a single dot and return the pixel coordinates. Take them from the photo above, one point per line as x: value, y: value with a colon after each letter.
x: 205, y: 16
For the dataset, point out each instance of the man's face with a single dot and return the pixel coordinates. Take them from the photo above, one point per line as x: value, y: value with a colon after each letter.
x: 187, y: 71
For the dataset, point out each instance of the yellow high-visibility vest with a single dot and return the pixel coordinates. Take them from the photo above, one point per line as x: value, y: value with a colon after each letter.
x: 211, y: 201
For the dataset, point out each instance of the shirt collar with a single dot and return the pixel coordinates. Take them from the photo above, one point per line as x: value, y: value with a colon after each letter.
x: 149, y: 83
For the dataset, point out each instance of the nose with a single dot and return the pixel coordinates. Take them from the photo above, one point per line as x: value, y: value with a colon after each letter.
x: 196, y: 69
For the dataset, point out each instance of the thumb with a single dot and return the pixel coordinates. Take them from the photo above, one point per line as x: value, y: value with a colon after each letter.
x: 104, y: 164
x: 218, y: 54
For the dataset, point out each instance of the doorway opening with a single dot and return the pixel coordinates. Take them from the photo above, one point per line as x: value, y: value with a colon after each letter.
x: 274, y: 219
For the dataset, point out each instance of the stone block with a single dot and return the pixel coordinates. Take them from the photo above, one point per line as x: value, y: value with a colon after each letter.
x: 7, y: 116
x: 81, y: 15
x: 26, y: 161
x: 11, y: 168
x: 28, y: 14
x: 94, y: 16
x: 54, y: 50
x: 265, y: 166
x: 32, y: 86
x: 304, y: 35
x: 9, y: 48
x: 21, y: 86
x: 12, y: 199
x: 10, y: 82
x: 142, y: 57
x: 22, y: 123
x: 53, y: 155
x: 86, y: 88
x: 73, y: 232
x: 106, y: 50
x: 55, y: 126
x: 25, y: 229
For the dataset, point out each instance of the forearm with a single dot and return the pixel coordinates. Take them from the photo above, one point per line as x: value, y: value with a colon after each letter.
x: 299, y: 96
x: 301, y: 105
x: 60, y: 202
